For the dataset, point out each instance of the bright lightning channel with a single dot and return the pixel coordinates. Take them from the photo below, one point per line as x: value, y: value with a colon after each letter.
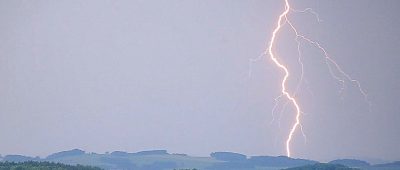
x: 283, y: 67
x: 342, y: 77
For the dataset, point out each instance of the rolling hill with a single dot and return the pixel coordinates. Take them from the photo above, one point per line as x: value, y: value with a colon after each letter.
x: 162, y: 160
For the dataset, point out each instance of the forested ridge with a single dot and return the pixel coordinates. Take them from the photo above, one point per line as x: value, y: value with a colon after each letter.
x: 32, y: 165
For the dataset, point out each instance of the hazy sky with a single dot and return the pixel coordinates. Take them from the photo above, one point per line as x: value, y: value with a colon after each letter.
x: 137, y: 75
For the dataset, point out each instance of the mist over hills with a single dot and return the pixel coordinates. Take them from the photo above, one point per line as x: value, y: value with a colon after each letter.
x: 162, y: 160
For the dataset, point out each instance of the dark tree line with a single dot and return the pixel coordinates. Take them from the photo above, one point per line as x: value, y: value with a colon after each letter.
x: 32, y: 165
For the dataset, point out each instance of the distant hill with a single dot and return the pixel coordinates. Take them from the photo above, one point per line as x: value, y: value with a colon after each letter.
x: 279, y: 161
x: 350, y: 162
x: 240, y: 161
x: 74, y: 152
x: 141, y: 153
x: 322, y: 166
x: 19, y: 158
x: 120, y: 153
x: 392, y: 164
x: 143, y: 160
x: 387, y: 166
x: 228, y: 156
x: 162, y: 160
x: 152, y: 152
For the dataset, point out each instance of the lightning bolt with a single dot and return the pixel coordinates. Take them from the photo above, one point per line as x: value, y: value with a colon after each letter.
x: 281, y: 19
x: 341, y: 76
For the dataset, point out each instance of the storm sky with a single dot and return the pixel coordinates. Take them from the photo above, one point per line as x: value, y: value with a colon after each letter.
x: 139, y: 75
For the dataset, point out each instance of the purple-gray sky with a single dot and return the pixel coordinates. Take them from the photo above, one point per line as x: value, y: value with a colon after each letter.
x: 136, y: 75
